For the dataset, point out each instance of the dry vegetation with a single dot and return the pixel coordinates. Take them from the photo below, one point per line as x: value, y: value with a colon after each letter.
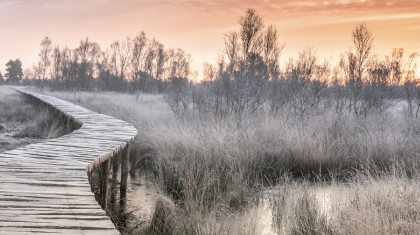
x: 215, y: 171
x: 371, y: 203
x: 215, y: 146
x: 330, y: 149
x: 22, y: 123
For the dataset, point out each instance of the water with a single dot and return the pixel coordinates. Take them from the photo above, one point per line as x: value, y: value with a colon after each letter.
x: 325, y: 198
x: 142, y: 194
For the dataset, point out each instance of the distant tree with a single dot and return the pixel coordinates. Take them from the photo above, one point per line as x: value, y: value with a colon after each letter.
x: 161, y: 58
x: 178, y: 63
x: 2, y: 81
x: 65, y: 67
x: 139, y: 64
x: 253, y: 54
x: 396, y: 65
x: 306, y: 93
x: 209, y: 72
x: 36, y: 71
x: 28, y: 74
x: 178, y: 96
x: 45, y: 56
x: 137, y: 58
x: 412, y: 87
x: 120, y: 54
x: 355, y: 64
x: 150, y: 58
x: 87, y: 54
x: 362, y: 38
x: 56, y: 59
x: 14, y: 71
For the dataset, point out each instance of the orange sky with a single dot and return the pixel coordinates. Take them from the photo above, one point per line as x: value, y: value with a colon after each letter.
x: 197, y: 26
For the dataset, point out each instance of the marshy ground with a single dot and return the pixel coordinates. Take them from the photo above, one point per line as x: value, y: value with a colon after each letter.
x: 322, y: 174
x: 273, y: 175
x: 22, y: 123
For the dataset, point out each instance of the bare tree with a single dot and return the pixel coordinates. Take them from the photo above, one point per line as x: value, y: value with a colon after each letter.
x: 339, y: 92
x: 249, y: 86
x: 27, y: 74
x: 412, y: 88
x: 36, y: 68
x: 138, y: 54
x: 150, y: 57
x: 120, y: 54
x: 178, y: 63
x: 125, y: 50
x: 209, y: 72
x: 272, y: 51
x: 65, y: 59
x: 179, y: 97
x: 232, y: 50
x: 161, y: 58
x: 251, y: 32
x: 355, y: 64
x: 56, y: 66
x: 362, y: 38
x: 380, y: 87
x: 305, y: 65
x: 396, y: 65
x: 253, y: 54
x: 125, y: 63
x: 45, y: 57
x: 183, y: 63
x: 306, y: 91
x: 105, y: 67
x: 87, y: 54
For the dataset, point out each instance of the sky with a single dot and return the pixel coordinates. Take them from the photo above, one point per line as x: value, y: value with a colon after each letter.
x: 197, y: 26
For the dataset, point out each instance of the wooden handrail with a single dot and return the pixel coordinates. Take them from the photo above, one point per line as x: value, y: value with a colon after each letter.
x: 43, y: 187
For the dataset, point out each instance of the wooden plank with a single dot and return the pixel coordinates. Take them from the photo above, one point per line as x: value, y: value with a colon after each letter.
x: 46, y: 231
x: 43, y: 187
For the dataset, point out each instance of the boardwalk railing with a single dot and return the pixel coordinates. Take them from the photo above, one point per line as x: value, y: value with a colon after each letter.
x: 44, y: 187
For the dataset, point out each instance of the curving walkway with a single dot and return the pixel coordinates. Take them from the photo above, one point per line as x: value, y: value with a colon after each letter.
x: 44, y: 187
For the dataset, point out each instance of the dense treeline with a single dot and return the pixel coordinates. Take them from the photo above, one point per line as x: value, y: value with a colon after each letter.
x: 252, y: 123
x: 139, y: 64
x: 247, y: 78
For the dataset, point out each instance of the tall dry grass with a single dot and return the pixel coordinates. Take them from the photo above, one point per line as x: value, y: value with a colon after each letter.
x: 28, y: 120
x: 380, y: 203
x: 213, y: 169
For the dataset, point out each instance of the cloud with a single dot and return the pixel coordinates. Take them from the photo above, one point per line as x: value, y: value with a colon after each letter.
x: 214, y: 8
x: 196, y: 26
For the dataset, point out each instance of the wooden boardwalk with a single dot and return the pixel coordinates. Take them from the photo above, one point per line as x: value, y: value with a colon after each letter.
x: 44, y: 187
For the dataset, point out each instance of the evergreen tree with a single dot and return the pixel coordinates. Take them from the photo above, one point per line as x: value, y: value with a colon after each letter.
x: 14, y: 71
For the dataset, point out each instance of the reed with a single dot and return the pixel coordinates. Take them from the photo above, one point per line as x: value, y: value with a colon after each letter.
x: 212, y: 169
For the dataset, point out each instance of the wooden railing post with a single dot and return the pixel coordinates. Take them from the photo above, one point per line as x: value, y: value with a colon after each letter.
x: 115, y: 165
x: 99, y: 139
x: 124, y: 175
x: 105, y: 172
x: 68, y: 125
